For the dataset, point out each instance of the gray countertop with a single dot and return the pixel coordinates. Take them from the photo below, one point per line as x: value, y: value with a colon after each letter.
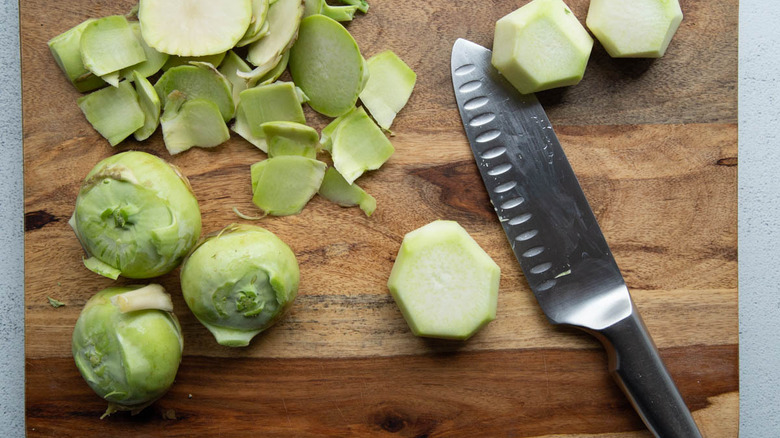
x: 759, y: 221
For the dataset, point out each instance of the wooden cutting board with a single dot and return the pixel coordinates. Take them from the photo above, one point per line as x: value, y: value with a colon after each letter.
x: 654, y: 144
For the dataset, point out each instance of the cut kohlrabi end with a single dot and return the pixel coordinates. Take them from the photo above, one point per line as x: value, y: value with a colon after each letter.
x: 129, y: 358
x: 362, y: 5
x: 230, y: 68
x: 175, y: 61
x: 390, y: 84
x: 357, y: 144
x: 200, y: 81
x: 135, y: 214
x: 290, y: 138
x: 154, y: 59
x: 326, y: 63
x: 635, y: 29
x: 150, y: 105
x: 239, y: 282
x: 445, y: 284
x: 336, y: 189
x: 540, y: 46
x: 194, y: 27
x: 266, y: 103
x: 284, y: 184
x: 187, y: 123
x: 284, y: 17
x: 114, y: 112
x: 258, y: 27
x: 109, y: 45
x: 338, y: 13
x: 66, y: 49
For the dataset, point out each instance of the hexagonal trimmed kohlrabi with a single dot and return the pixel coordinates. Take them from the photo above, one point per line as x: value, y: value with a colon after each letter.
x: 636, y: 28
x: 540, y: 46
x: 127, y: 344
x: 239, y: 282
x: 445, y: 284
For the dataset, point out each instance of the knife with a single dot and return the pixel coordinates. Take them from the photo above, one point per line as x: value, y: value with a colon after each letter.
x: 556, y: 237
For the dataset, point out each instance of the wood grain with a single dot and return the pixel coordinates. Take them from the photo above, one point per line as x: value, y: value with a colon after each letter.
x: 654, y: 145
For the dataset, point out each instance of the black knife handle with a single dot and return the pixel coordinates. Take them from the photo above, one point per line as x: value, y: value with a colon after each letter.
x: 639, y: 371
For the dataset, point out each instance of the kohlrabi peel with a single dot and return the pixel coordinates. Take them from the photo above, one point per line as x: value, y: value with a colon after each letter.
x: 336, y: 189
x: 284, y: 184
x: 356, y: 144
x: 127, y: 344
x: 239, y: 282
x: 290, y: 138
x: 135, y: 216
x: 66, y: 50
x: 114, y: 112
x: 198, y: 81
x: 445, y: 284
x: 278, y: 101
x: 175, y: 61
x: 258, y: 26
x: 150, y: 105
x: 284, y: 17
x: 154, y: 60
x: 390, y: 84
x: 230, y: 67
x: 109, y: 45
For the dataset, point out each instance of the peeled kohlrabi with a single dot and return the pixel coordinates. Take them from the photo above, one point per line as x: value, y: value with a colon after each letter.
x: 135, y: 216
x: 127, y: 344
x: 239, y: 282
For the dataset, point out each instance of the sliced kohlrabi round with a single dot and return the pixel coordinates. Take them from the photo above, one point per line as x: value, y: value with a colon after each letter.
x: 187, y: 123
x: 175, y: 61
x: 113, y: 111
x: 326, y: 63
x: 194, y: 27
x: 336, y: 189
x: 290, y: 138
x: 284, y: 17
x: 283, y: 185
x: 200, y: 81
x: 390, y: 84
x: 66, y: 49
x: 150, y: 105
x: 357, y: 144
x: 230, y: 67
x: 108, y: 45
x: 258, y: 27
x: 154, y: 60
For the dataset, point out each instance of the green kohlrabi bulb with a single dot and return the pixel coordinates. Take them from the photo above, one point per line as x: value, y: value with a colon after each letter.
x: 135, y: 216
x: 127, y: 344
x: 239, y: 282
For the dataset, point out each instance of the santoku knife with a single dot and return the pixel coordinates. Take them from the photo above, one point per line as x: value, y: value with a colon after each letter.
x: 555, y: 236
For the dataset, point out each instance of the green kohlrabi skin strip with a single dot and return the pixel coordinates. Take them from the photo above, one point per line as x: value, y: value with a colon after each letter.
x: 230, y: 68
x: 283, y: 185
x: 129, y: 359
x: 150, y: 105
x: 283, y: 17
x: 258, y: 23
x: 290, y: 138
x: 175, y: 61
x: 188, y: 123
x: 270, y: 103
x: 114, y: 112
x: 136, y: 214
x: 239, y: 282
x: 390, y: 84
x: 362, y: 5
x: 154, y: 59
x: 108, y: 45
x: 357, y: 144
x: 66, y: 49
x: 338, y: 13
x: 201, y: 81
x: 336, y: 189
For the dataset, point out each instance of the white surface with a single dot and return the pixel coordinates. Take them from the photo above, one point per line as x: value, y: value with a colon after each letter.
x: 759, y: 222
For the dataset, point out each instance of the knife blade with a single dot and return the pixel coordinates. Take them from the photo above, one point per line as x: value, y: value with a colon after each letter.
x: 555, y: 236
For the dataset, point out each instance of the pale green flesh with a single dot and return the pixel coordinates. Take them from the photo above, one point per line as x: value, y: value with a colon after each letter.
x: 230, y: 68
x: 109, y: 45
x: 284, y: 184
x: 239, y: 282
x: 66, y: 49
x: 283, y: 17
x: 175, y: 61
x: 277, y: 71
x: 154, y: 59
x: 336, y: 189
x: 270, y: 103
x: 241, y: 127
x: 541, y: 46
x: 636, y: 29
x: 326, y: 63
x: 192, y: 122
x: 390, y: 84
x: 150, y: 105
x: 357, y: 144
x: 290, y: 138
x: 445, y: 285
x: 259, y: 26
x: 114, y: 112
x: 200, y: 81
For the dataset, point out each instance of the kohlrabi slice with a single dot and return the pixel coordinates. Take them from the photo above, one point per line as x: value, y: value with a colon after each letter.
x: 290, y: 138
x: 150, y: 105
x: 357, y: 144
x: 194, y: 27
x: 154, y: 60
x: 336, y: 189
x: 175, y: 61
x: 135, y: 216
x: 66, y: 49
x: 108, y: 45
x: 200, y: 81
x: 187, y: 123
x: 636, y: 28
x: 266, y: 103
x: 390, y: 84
x: 283, y: 18
x: 239, y: 282
x: 338, y: 13
x: 258, y: 27
x: 230, y: 67
x: 113, y: 111
x: 326, y: 63
x: 284, y: 184
x: 445, y: 284
x: 540, y: 46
